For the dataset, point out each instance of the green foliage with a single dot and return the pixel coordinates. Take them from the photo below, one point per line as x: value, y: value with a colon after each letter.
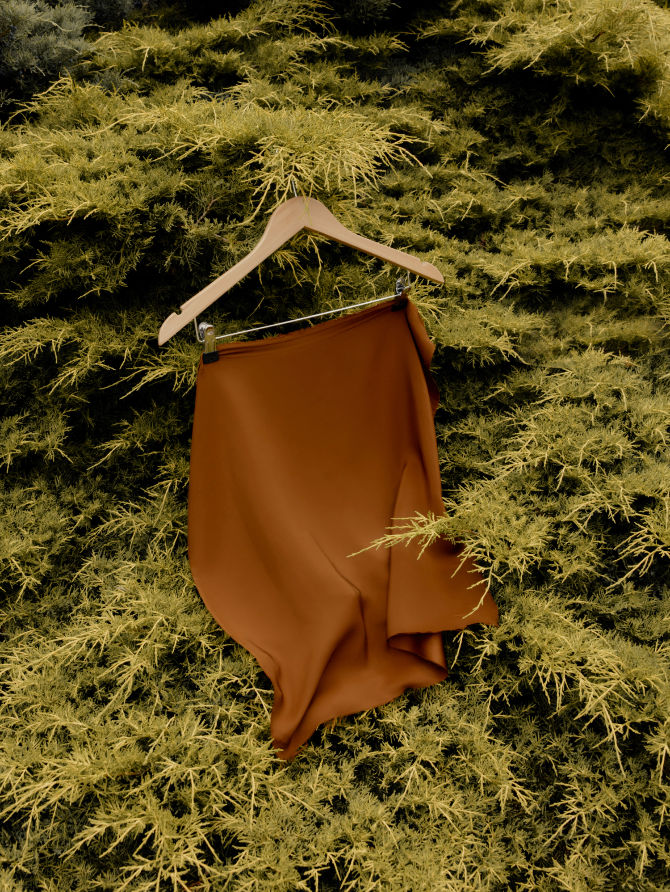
x: 37, y: 41
x: 521, y: 148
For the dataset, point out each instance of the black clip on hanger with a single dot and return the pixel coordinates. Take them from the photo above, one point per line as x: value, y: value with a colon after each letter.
x: 401, y: 291
x: 206, y: 335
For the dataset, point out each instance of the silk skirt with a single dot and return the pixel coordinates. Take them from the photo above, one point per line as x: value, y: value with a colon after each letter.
x: 307, y: 447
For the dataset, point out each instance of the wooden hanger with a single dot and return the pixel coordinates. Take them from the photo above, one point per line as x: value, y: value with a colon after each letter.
x: 287, y: 220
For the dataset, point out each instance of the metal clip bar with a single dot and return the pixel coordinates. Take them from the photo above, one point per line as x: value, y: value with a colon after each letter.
x: 401, y: 290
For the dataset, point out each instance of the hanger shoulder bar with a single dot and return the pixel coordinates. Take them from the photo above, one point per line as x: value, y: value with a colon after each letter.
x: 320, y: 220
x: 284, y: 223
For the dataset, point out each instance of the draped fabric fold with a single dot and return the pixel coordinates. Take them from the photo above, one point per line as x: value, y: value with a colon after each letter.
x: 305, y: 448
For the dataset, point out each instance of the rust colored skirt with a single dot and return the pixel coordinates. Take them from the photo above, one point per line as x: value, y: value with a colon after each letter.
x: 305, y: 448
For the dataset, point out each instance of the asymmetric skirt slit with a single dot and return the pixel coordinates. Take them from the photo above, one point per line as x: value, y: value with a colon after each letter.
x: 306, y: 448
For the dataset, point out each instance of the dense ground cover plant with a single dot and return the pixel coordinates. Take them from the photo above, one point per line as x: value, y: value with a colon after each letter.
x: 521, y: 148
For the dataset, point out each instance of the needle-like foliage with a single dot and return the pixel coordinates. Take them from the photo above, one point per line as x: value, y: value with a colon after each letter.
x: 521, y: 147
